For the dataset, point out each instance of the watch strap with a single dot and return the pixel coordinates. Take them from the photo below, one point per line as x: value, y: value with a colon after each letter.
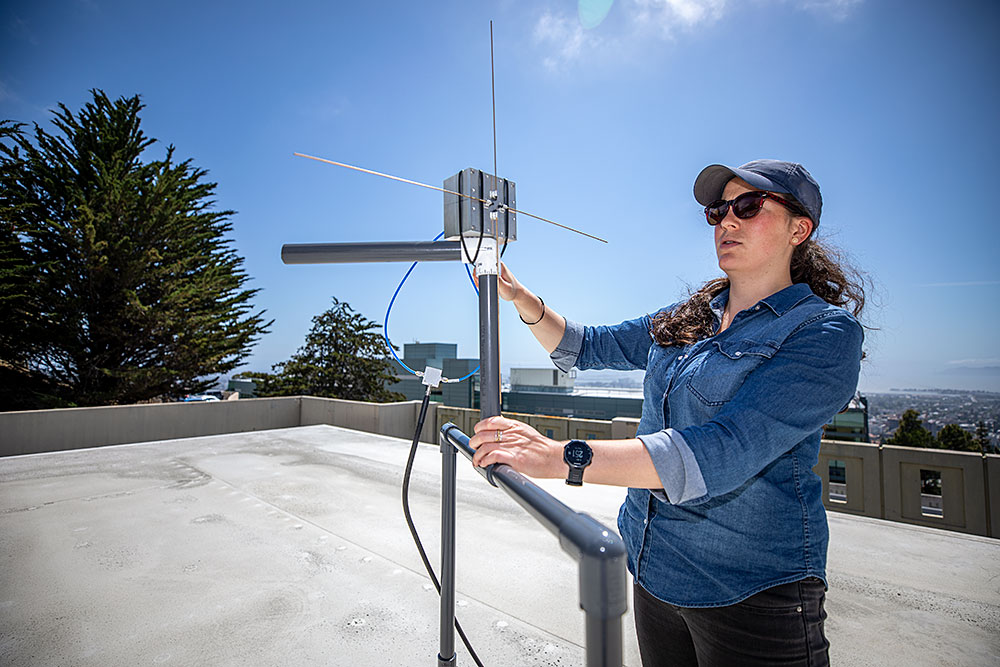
x: 575, y: 477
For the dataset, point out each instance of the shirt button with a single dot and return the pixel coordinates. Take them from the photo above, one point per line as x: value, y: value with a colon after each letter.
x: 738, y: 354
x: 757, y: 307
x: 645, y: 521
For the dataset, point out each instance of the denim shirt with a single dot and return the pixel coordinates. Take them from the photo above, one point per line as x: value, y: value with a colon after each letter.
x: 733, y: 425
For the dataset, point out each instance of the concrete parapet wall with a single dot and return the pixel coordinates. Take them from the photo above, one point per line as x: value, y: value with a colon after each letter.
x: 623, y: 428
x: 35, y: 431
x: 881, y: 482
x: 463, y: 418
x: 863, y: 467
x: 395, y: 419
x: 992, y: 473
x: 962, y: 488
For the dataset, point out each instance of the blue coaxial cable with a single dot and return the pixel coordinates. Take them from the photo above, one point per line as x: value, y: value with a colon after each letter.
x: 385, y: 327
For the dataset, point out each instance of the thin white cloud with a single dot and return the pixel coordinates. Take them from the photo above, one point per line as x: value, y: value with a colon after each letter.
x: 325, y: 108
x: 21, y: 30
x: 667, y: 16
x: 975, y: 363
x: 836, y: 9
x: 966, y: 283
x: 567, y: 41
x: 6, y: 95
x: 564, y: 36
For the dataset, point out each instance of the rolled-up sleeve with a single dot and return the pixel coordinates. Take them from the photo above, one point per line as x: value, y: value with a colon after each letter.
x: 621, y: 347
x: 768, y: 415
x: 676, y: 466
x: 568, y: 349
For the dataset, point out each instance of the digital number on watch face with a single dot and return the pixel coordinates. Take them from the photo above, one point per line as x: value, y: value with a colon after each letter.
x: 577, y: 455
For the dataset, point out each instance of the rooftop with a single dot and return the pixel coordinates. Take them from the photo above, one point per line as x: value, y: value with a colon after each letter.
x: 288, y: 546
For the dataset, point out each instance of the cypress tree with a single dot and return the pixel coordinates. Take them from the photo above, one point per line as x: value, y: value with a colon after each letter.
x: 344, y: 356
x: 120, y: 283
x: 911, y: 432
x: 953, y: 436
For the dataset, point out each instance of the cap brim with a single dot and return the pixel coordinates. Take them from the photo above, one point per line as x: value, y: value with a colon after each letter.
x: 711, y: 182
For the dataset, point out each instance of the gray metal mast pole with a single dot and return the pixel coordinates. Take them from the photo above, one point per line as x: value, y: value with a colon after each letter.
x: 487, y: 271
x: 489, y: 347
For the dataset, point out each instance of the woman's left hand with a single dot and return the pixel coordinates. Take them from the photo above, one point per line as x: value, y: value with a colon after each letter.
x: 502, y: 440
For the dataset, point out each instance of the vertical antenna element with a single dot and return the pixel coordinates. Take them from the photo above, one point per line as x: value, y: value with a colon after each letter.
x: 496, y: 173
x: 493, y: 91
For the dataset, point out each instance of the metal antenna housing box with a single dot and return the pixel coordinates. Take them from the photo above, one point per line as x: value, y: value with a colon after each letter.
x: 470, y: 217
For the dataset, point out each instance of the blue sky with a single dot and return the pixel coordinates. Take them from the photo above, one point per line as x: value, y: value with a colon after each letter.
x: 891, y: 105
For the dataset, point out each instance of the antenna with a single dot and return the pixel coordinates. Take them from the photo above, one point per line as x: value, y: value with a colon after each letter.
x: 458, y: 194
x: 476, y: 205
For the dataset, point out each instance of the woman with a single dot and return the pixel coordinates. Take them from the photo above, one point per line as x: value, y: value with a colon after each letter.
x: 723, y: 521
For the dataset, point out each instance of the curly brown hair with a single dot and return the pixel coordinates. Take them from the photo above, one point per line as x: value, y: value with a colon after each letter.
x: 817, y: 264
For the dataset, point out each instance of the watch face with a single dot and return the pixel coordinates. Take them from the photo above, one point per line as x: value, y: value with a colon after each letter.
x: 577, y: 454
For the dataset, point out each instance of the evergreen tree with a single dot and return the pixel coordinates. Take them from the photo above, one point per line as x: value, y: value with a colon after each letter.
x: 953, y: 436
x: 344, y: 356
x: 117, y: 280
x: 911, y: 432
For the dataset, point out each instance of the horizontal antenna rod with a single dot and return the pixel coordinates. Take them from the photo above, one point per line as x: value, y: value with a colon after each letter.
x: 450, y: 192
x: 353, y: 253
x: 389, y: 176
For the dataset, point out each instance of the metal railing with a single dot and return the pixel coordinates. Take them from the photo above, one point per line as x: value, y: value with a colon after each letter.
x: 598, y: 550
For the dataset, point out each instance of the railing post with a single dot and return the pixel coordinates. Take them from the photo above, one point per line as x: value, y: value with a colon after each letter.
x: 604, y: 601
x: 603, y: 596
x: 446, y: 653
x: 598, y: 551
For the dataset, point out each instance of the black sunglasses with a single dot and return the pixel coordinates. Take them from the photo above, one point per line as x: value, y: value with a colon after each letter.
x: 747, y: 205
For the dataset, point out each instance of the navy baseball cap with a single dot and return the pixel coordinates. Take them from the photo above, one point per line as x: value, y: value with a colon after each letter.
x: 771, y: 175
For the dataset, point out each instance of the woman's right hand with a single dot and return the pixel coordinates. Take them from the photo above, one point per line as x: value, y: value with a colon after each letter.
x: 507, y: 286
x: 548, y: 326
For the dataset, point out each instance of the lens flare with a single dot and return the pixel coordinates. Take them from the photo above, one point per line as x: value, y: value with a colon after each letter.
x: 592, y: 12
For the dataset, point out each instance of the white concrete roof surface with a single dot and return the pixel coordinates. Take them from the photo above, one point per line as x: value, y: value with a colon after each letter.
x: 288, y: 547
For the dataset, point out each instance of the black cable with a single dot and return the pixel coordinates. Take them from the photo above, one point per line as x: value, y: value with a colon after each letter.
x: 506, y: 232
x: 482, y: 227
x: 413, y: 528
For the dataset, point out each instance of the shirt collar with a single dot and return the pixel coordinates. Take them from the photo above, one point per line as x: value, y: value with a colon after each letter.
x: 780, y: 302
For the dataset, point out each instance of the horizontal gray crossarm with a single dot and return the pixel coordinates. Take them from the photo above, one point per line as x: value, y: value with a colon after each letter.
x: 354, y: 253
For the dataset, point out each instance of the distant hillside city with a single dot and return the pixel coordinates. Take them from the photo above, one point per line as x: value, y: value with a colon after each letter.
x: 937, y: 408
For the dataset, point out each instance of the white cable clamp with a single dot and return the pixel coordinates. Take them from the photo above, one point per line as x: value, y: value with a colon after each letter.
x: 487, y: 260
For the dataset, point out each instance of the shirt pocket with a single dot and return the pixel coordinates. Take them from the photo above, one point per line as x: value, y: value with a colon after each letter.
x: 725, y: 367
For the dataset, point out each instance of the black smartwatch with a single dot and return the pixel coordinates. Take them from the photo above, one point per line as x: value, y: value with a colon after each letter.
x: 577, y: 454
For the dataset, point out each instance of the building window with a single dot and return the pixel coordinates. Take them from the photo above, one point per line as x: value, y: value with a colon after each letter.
x: 838, y: 482
x: 930, y: 494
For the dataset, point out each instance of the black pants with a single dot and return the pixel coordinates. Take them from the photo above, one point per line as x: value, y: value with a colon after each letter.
x: 778, y: 626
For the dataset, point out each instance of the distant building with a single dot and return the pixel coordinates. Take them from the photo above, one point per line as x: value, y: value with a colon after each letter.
x: 437, y: 355
x: 542, y: 379
x: 549, y: 391
x: 851, y: 424
x: 244, y: 387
